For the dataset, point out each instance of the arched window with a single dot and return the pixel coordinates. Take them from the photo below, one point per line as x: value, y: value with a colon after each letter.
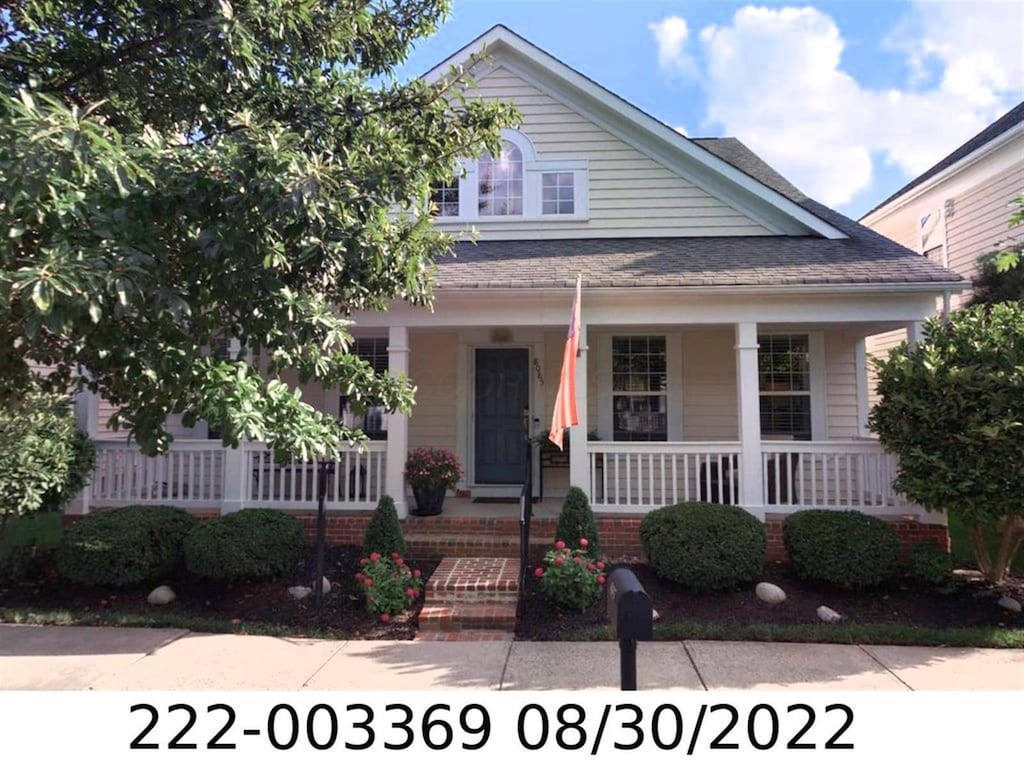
x: 500, y: 182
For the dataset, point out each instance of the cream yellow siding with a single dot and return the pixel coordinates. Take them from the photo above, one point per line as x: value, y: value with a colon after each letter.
x: 630, y: 194
x: 433, y: 367
x: 841, y: 385
x: 710, y: 402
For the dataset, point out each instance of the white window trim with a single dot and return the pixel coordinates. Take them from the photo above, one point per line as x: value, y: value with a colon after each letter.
x: 818, y: 391
x: 469, y: 188
x: 602, y: 346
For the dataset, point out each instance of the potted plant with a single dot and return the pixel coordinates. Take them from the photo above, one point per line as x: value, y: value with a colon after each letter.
x: 431, y: 472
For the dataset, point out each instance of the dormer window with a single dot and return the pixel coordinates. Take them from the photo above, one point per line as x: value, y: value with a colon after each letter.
x: 513, y: 185
x: 500, y: 182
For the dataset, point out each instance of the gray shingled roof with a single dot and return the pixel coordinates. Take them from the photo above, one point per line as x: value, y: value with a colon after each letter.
x: 863, y: 257
x: 1012, y: 118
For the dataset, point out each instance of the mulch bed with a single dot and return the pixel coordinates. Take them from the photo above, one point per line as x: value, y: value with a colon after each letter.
x: 267, y: 602
x: 972, y: 605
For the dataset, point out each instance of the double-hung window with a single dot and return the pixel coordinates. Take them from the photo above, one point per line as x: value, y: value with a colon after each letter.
x: 639, y: 388
x: 374, y: 422
x: 784, y: 375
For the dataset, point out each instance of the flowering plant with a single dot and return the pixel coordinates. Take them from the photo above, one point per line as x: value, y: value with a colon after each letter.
x: 570, y: 577
x: 433, y: 468
x: 389, y: 584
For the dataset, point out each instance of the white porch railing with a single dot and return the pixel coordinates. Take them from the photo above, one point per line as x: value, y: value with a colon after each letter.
x: 854, y: 474
x: 355, y: 481
x: 643, y: 476
x: 190, y: 474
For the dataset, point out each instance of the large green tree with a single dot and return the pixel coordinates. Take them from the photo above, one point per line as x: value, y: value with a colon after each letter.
x: 177, y: 173
x: 952, y: 410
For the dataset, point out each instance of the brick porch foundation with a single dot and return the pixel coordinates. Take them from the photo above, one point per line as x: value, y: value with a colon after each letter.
x: 444, y: 536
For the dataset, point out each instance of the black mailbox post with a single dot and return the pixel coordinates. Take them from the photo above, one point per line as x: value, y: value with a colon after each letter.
x: 629, y: 608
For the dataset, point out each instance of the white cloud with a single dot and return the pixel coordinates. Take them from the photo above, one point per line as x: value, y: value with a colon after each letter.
x: 774, y: 79
x: 681, y: 129
x: 672, y: 34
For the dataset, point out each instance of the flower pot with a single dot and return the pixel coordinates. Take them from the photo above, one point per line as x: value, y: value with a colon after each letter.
x: 428, y: 500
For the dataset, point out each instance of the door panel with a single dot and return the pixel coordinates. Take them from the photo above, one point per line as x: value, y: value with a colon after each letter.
x: 502, y: 388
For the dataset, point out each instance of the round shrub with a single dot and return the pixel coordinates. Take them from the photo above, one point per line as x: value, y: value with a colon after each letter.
x: 384, y: 532
x: 842, y: 547
x: 123, y: 547
x: 704, y: 546
x: 248, y: 544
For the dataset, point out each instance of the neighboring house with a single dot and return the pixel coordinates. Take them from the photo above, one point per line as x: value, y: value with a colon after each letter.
x: 724, y: 322
x: 957, y: 210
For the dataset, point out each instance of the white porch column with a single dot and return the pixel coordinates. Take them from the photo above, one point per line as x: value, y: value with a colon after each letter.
x: 398, y: 424
x: 235, y: 481
x: 915, y: 332
x: 87, y: 414
x: 751, y: 482
x: 579, y: 460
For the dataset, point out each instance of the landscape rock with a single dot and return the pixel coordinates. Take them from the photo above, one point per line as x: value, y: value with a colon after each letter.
x: 163, y: 595
x: 300, y: 593
x: 654, y: 614
x: 327, y: 585
x: 770, y: 593
x: 829, y: 616
x: 1009, y: 604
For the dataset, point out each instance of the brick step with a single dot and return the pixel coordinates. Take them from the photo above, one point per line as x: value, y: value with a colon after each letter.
x: 468, y: 616
x: 466, y: 635
x: 437, y: 545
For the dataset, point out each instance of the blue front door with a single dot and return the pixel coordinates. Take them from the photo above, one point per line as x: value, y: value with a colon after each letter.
x: 502, y: 398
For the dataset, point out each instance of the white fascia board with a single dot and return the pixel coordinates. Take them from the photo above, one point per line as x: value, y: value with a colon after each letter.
x: 647, y: 134
x: 944, y: 175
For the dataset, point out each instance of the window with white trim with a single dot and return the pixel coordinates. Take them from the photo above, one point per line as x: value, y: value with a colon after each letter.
x: 639, y: 388
x: 374, y: 422
x: 784, y: 383
x: 514, y: 184
x: 445, y: 198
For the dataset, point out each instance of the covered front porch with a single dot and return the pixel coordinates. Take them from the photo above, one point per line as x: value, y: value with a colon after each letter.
x: 754, y: 400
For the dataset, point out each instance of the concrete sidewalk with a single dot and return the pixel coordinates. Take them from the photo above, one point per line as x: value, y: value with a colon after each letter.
x: 101, y: 658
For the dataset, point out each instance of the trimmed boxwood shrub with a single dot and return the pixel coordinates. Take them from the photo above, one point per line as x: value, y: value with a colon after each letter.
x: 123, y: 547
x: 932, y: 567
x: 704, y: 546
x: 842, y: 547
x: 384, y: 533
x: 248, y: 544
x: 576, y: 521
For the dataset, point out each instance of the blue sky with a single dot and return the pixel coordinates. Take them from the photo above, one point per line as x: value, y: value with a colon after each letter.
x: 849, y: 100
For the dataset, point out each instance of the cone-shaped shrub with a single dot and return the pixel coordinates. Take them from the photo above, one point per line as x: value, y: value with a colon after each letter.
x: 384, y: 532
x: 576, y: 522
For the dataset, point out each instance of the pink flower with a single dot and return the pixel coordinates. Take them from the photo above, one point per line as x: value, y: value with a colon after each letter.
x: 410, y: 592
x: 395, y: 556
x: 590, y: 566
x: 600, y: 565
x: 367, y: 582
x: 359, y: 577
x: 584, y: 543
x: 559, y: 545
x: 600, y: 578
x: 363, y: 561
x: 539, y: 572
x: 385, y: 617
x: 559, y: 561
x: 375, y: 556
x: 400, y: 561
x: 416, y: 573
x: 577, y: 560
